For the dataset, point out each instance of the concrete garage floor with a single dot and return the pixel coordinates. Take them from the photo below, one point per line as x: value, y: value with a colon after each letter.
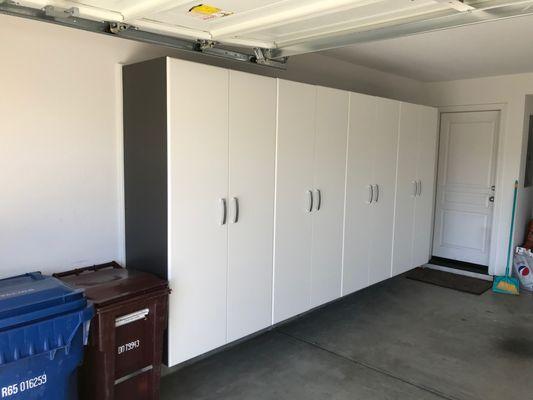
x: 400, y: 339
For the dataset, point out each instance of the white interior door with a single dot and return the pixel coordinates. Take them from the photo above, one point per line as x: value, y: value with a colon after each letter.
x: 385, y: 158
x: 362, y: 130
x: 426, y: 173
x: 198, y: 182
x: 252, y: 147
x: 466, y: 172
x: 294, y: 192
x: 406, y: 190
x: 330, y: 172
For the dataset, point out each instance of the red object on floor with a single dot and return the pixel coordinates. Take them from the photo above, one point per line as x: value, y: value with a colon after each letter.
x: 529, y: 236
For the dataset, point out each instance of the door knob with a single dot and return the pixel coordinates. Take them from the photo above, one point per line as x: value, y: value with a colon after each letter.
x: 491, y: 199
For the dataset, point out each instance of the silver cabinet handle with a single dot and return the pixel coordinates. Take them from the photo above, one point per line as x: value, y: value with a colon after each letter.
x: 310, y: 201
x: 236, y: 210
x: 224, y: 211
x: 415, y: 188
x: 419, y: 188
x: 319, y: 200
x: 376, y: 192
x: 370, y: 194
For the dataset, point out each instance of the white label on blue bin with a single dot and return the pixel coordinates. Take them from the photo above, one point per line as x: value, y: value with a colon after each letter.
x: 129, y: 346
x: 16, y: 293
x: 28, y: 384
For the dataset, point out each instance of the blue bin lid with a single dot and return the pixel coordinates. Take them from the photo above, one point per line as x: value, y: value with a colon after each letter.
x: 33, y: 297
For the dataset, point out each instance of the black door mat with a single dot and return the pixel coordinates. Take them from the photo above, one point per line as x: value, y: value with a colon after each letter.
x: 449, y: 280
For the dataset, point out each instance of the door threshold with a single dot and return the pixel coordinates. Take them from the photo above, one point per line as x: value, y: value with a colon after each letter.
x: 461, y: 265
x: 456, y: 271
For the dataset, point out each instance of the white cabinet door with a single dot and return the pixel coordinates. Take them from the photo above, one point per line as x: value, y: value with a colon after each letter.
x: 293, y: 226
x: 406, y: 189
x: 385, y: 156
x: 197, y: 182
x: 427, y: 154
x: 252, y: 146
x: 330, y: 171
x: 362, y: 130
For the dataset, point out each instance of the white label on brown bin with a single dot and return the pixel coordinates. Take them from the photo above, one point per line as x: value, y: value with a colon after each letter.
x: 128, y: 347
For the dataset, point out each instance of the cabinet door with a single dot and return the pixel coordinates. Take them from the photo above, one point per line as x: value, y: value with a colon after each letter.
x: 425, y: 202
x: 197, y: 181
x: 406, y: 189
x: 330, y: 173
x: 362, y: 129
x: 294, y: 184
x: 252, y: 146
x: 385, y: 156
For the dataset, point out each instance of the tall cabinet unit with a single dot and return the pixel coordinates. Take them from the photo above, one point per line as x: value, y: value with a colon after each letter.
x: 252, y: 146
x: 370, y: 191
x: 294, y: 199
x: 197, y: 201
x: 415, y: 187
x: 330, y: 173
x: 406, y: 190
x: 311, y: 161
x: 426, y: 174
x: 359, y: 179
x: 385, y: 155
x: 199, y: 160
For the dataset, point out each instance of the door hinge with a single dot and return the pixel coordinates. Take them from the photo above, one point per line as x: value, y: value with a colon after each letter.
x: 263, y: 57
x: 117, y: 27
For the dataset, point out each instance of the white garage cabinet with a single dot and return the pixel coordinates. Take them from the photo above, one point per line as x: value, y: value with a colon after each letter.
x: 260, y: 199
x: 415, y: 187
x: 311, y: 153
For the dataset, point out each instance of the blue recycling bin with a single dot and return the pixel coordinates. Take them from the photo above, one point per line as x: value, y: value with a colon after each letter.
x: 43, y: 329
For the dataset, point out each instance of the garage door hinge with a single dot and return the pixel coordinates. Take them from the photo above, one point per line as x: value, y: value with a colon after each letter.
x: 263, y: 57
x: 117, y: 27
x: 206, y: 44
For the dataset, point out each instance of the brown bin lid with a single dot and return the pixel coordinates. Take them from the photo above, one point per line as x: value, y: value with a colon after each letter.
x: 110, y: 283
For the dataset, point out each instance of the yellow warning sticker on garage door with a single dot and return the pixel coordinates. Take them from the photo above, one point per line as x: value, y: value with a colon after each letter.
x: 208, y: 12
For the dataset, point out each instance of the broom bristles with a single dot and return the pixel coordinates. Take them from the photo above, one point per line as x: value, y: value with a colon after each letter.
x: 506, y: 286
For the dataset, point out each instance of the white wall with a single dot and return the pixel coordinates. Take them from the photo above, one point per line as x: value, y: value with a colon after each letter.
x: 60, y: 142
x: 510, y: 92
x: 327, y: 71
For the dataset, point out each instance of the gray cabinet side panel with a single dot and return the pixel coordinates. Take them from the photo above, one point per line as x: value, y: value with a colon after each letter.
x: 145, y: 166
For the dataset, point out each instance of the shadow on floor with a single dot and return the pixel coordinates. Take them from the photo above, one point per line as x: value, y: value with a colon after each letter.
x: 401, y: 339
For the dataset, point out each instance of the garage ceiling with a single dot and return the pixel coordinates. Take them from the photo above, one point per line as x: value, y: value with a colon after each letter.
x: 285, y: 27
x: 495, y: 48
x: 261, y: 23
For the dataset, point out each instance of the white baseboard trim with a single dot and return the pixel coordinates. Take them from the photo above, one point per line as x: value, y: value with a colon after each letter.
x: 460, y: 272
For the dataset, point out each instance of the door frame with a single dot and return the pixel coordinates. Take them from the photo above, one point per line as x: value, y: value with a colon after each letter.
x: 498, y: 203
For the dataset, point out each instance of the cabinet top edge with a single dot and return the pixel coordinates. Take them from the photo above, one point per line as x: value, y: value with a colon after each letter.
x: 168, y: 59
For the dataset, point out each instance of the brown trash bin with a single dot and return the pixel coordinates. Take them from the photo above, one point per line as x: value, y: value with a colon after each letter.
x: 124, y: 354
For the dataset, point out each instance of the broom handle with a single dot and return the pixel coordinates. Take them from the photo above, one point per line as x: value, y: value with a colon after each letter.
x: 509, y: 251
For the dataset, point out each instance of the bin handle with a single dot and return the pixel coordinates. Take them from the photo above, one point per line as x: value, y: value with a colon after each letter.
x: 129, y: 318
x: 94, y: 268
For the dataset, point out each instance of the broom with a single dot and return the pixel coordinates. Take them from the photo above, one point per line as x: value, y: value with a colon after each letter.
x: 507, y: 284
